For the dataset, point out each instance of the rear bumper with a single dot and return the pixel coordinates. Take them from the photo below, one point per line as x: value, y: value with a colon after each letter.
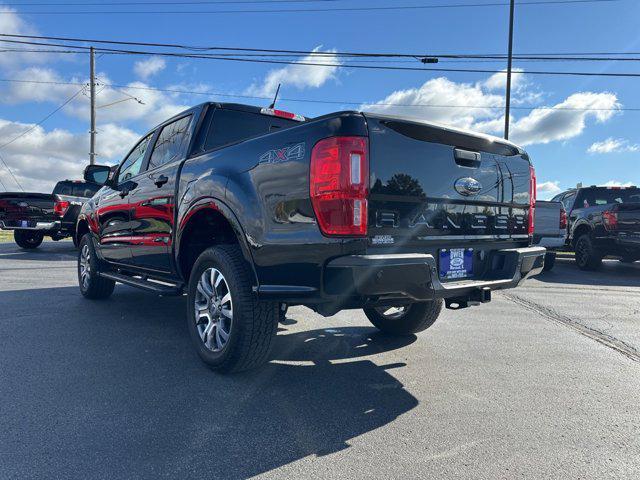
x: 629, y: 240
x: 415, y: 276
x: 38, y: 226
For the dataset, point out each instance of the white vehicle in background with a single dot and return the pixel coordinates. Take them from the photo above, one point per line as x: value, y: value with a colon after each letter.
x: 550, y: 229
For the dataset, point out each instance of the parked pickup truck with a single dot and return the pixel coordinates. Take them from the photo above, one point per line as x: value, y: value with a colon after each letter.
x: 550, y: 230
x: 250, y: 210
x: 603, y: 221
x: 32, y: 216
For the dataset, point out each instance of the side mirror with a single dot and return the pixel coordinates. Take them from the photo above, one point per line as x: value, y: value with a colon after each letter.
x: 98, y: 174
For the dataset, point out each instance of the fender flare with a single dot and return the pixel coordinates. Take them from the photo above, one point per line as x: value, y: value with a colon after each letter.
x: 215, y: 204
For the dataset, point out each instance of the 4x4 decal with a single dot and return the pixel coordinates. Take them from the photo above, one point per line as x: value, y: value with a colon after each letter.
x: 285, y: 154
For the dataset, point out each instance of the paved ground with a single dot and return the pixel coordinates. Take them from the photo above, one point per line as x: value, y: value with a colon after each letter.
x: 542, y: 383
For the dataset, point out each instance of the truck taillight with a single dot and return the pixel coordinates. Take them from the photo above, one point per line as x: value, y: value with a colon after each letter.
x: 610, y: 220
x: 339, y: 185
x: 60, y: 208
x: 563, y: 218
x: 532, y: 200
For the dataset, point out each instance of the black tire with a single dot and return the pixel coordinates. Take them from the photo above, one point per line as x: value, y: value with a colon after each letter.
x: 415, y: 318
x: 587, y: 256
x: 28, y: 239
x: 95, y: 287
x: 253, y: 325
x: 549, y: 261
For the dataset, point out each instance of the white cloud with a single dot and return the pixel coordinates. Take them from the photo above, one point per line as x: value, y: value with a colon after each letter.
x: 547, y: 189
x: 149, y: 67
x: 432, y: 101
x: 616, y: 183
x: 498, y: 81
x: 156, y: 106
x: 479, y: 107
x: 613, y: 145
x: 564, y: 120
x: 41, y: 158
x: 298, y: 76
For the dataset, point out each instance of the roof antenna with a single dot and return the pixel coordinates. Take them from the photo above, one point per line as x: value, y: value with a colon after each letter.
x: 273, y: 104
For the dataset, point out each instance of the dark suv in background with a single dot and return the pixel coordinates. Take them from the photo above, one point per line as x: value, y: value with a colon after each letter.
x: 602, y: 221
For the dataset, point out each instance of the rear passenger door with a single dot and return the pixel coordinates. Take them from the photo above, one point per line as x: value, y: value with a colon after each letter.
x: 151, y: 204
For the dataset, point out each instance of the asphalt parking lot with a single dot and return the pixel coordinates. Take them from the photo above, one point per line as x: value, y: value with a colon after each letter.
x: 544, y: 382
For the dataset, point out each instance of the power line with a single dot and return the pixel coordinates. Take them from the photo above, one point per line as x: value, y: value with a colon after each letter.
x: 344, y: 65
x: 448, y: 58
x: 327, y: 102
x: 33, y: 127
x: 308, y: 10
x: 282, y: 52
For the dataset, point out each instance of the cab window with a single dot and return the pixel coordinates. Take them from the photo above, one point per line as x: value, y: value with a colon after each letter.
x: 132, y: 165
x: 172, y: 143
x: 568, y: 200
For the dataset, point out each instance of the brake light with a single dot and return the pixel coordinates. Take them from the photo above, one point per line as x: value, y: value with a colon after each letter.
x: 610, y: 220
x: 60, y: 208
x: 563, y: 218
x: 532, y: 200
x: 339, y: 185
x: 282, y: 114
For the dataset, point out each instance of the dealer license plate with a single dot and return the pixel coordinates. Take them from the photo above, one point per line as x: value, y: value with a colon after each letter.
x: 456, y: 263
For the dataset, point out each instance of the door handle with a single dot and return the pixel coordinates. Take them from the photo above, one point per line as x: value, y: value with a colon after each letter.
x: 161, y: 180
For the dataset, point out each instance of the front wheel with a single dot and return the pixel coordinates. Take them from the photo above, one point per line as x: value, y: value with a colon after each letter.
x: 92, y: 285
x: 230, y: 328
x: 28, y: 239
x: 406, y: 319
x: 587, y: 256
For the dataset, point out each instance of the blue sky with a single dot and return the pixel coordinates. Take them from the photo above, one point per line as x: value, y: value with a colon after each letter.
x: 567, y: 146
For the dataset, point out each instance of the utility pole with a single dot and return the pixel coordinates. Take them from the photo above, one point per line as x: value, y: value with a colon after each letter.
x: 509, y: 62
x: 92, y: 90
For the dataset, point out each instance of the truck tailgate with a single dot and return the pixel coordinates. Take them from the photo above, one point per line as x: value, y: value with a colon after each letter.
x: 16, y: 208
x: 434, y: 184
x: 628, y: 218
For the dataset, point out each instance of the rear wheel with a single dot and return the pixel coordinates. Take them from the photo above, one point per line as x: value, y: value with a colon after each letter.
x: 549, y: 261
x: 587, y: 256
x: 28, y: 239
x: 230, y: 329
x: 92, y: 285
x: 406, y: 319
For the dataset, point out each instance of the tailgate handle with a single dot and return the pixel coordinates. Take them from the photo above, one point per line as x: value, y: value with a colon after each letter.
x: 466, y: 158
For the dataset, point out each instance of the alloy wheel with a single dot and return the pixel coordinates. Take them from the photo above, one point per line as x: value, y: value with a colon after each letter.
x: 85, y: 266
x: 213, y: 310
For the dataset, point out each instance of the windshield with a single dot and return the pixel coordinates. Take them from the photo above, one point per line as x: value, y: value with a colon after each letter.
x: 76, y: 189
x: 604, y: 196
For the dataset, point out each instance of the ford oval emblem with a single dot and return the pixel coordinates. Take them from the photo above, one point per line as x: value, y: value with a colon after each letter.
x: 468, y: 186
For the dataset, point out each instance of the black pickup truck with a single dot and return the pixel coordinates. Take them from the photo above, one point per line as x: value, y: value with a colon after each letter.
x: 32, y: 216
x: 602, y: 221
x: 251, y: 210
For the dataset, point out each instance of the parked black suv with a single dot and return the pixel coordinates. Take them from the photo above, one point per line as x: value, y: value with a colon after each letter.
x: 249, y: 210
x: 602, y: 221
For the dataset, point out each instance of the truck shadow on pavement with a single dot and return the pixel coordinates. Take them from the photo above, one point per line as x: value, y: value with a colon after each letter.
x: 48, y: 251
x: 115, y: 387
x: 612, y: 273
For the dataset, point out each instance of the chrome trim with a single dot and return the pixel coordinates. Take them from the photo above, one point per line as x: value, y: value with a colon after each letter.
x: 39, y: 226
x: 472, y: 237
